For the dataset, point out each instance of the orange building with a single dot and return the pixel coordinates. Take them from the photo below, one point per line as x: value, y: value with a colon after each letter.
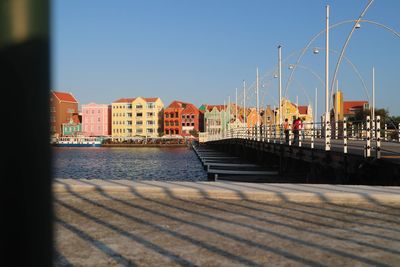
x: 62, y: 107
x: 180, y: 118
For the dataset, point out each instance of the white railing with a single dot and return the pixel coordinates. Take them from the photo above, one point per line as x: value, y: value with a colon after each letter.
x: 363, y: 134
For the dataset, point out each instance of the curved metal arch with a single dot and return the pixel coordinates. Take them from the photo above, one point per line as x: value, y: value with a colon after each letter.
x: 304, y: 50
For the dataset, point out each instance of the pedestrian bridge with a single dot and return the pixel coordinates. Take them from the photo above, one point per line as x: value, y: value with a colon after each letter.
x: 355, y: 156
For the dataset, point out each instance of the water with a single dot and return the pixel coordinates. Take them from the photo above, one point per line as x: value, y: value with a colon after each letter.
x: 138, y: 163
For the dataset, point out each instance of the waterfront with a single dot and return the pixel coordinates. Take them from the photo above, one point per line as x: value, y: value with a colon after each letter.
x: 134, y: 163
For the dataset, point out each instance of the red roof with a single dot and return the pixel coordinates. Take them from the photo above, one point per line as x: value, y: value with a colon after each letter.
x: 190, y: 109
x: 124, y: 100
x: 349, y: 107
x: 219, y: 107
x: 66, y: 97
x: 177, y: 104
x: 303, y: 109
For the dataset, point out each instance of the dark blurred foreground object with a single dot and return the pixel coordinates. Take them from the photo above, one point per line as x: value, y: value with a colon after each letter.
x: 25, y: 183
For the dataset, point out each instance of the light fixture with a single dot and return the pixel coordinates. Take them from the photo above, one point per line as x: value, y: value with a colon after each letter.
x: 316, y: 51
x: 275, y: 75
x: 358, y: 26
x: 291, y: 66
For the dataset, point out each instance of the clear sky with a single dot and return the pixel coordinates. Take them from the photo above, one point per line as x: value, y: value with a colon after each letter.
x: 200, y: 51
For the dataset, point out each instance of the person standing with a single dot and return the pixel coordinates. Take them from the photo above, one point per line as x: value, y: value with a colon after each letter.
x: 296, y: 128
x: 286, y: 130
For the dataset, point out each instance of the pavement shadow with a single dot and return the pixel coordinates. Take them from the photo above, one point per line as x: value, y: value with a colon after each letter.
x: 246, y: 206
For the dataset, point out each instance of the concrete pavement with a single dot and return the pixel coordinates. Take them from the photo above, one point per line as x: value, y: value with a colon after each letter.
x: 125, y: 223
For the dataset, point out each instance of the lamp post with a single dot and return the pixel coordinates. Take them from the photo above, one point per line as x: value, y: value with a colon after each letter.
x: 280, y: 82
x: 373, y: 102
x: 257, y: 106
x: 327, y: 128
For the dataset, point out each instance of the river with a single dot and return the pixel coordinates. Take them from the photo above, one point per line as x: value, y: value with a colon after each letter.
x: 133, y: 163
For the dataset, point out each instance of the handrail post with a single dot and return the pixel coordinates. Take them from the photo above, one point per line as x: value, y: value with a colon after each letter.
x: 344, y: 136
x: 398, y: 132
x: 368, y: 133
x: 385, y: 133
x: 336, y: 129
x: 312, y: 134
x: 378, y: 137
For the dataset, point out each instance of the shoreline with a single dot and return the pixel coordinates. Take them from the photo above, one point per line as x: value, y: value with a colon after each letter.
x: 144, y: 145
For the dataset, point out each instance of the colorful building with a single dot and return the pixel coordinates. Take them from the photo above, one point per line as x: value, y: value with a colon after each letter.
x: 62, y: 107
x: 305, y: 113
x: 220, y: 119
x: 289, y: 111
x: 347, y: 108
x: 267, y: 116
x: 181, y: 118
x: 350, y: 108
x: 73, y: 127
x: 212, y: 118
x: 96, y: 119
x: 136, y: 117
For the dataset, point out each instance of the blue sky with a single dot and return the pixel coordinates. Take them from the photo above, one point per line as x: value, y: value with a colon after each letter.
x: 200, y: 51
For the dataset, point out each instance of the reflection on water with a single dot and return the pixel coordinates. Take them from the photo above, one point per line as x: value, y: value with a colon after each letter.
x: 138, y: 163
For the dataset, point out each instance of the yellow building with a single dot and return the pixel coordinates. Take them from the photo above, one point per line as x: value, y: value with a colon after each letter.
x: 338, y: 105
x: 136, y: 117
x: 290, y: 111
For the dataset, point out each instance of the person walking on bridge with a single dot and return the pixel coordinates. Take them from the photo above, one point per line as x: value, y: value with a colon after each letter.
x: 286, y: 130
x: 296, y: 127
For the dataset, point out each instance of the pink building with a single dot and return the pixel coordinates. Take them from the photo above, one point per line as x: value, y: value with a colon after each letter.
x: 96, y: 119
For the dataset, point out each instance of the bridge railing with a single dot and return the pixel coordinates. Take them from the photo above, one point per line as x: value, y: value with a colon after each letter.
x: 366, y: 134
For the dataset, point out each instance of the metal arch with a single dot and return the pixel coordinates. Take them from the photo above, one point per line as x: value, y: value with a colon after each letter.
x: 354, y: 68
x: 304, y: 50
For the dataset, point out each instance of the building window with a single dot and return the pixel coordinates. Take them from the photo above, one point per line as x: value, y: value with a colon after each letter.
x: 150, y: 123
x: 176, y: 131
x: 183, y: 124
x: 139, y: 122
x: 150, y: 114
x: 139, y: 130
x: 167, y: 123
x: 176, y: 123
x: 139, y: 115
x: 172, y: 115
x: 139, y: 106
x: 192, y: 123
x: 150, y: 130
x: 192, y: 116
x: 176, y: 114
x: 129, y: 106
x: 150, y: 105
x: 183, y: 116
x: 70, y: 110
x: 167, y: 132
x: 98, y: 119
x: 166, y: 115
